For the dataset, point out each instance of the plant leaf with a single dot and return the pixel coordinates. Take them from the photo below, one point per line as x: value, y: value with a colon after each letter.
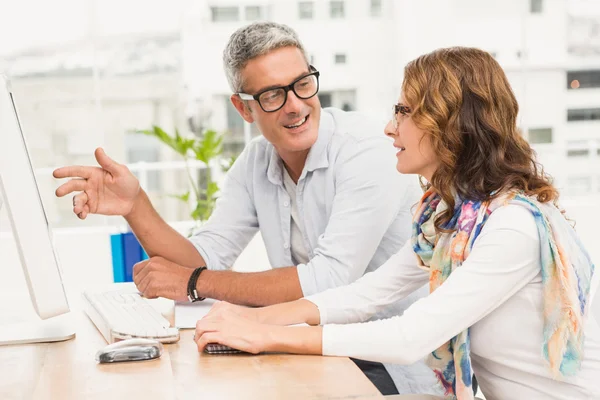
x: 183, y: 197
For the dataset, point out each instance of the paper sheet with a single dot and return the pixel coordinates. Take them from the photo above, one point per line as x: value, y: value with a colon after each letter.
x: 187, y: 314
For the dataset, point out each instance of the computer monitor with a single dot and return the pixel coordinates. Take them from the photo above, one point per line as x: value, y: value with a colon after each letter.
x: 32, y: 234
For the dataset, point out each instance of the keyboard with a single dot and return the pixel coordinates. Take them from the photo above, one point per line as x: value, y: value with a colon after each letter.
x: 216, y: 348
x: 124, y: 314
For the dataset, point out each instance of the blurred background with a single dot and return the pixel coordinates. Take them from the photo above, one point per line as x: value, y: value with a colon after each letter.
x: 88, y: 73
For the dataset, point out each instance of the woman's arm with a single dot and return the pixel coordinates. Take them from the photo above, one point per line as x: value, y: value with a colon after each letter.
x: 397, y: 278
x: 391, y: 282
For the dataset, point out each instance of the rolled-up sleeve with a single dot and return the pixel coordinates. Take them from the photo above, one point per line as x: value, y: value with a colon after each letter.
x: 233, y: 222
x: 370, y: 196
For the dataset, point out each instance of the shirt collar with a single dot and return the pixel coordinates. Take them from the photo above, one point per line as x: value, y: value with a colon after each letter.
x: 317, y: 155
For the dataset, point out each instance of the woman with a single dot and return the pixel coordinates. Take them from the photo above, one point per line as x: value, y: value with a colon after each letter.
x: 509, y: 279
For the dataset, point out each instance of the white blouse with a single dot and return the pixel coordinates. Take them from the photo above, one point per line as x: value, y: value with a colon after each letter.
x: 497, y: 292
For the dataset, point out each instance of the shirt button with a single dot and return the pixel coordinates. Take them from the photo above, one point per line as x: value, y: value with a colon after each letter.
x: 286, y: 246
x: 286, y: 203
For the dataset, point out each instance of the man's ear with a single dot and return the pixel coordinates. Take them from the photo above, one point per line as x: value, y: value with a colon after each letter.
x: 242, y: 108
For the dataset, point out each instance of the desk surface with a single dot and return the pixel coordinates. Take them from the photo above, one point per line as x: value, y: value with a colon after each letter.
x: 67, y: 370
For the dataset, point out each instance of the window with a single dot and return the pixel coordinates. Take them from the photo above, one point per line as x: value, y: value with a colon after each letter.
x: 583, y: 114
x: 583, y: 79
x: 253, y: 13
x: 325, y: 99
x: 578, y: 153
x: 540, y: 135
x: 305, y: 10
x: 225, y: 14
x: 375, y: 8
x: 336, y: 9
x: 535, y: 6
x: 340, y: 58
x: 578, y: 148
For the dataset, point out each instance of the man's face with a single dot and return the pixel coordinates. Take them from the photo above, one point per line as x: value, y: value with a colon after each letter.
x: 295, y: 126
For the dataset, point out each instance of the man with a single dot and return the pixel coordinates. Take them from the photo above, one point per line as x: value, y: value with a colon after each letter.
x: 320, y: 185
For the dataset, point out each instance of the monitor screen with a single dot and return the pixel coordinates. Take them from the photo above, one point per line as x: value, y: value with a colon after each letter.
x: 26, y: 214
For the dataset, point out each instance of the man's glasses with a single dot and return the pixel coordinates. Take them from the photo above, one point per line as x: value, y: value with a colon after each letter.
x: 273, y: 99
x: 399, y: 109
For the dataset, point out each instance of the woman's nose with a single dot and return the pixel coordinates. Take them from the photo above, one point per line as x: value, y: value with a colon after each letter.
x: 389, y: 129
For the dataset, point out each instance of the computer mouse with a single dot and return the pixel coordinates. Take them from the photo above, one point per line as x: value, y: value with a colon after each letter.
x: 130, y: 350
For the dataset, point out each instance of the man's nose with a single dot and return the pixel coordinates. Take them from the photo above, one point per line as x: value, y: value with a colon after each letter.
x: 293, y: 103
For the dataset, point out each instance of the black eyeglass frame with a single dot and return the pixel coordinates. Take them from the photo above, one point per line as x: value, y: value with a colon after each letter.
x: 286, y: 89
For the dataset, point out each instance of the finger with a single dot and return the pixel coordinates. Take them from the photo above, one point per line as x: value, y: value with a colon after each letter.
x: 79, y: 202
x: 85, y: 212
x: 147, y: 285
x: 203, y: 326
x: 74, y: 185
x: 209, y: 337
x: 142, y: 286
x: 106, y: 162
x: 138, y: 268
x: 73, y: 171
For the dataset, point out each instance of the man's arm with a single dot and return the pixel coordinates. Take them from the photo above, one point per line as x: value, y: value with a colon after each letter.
x: 264, y: 288
x: 158, y: 238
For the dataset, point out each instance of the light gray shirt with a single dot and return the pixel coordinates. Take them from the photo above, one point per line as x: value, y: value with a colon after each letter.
x: 354, y: 206
x: 298, y: 249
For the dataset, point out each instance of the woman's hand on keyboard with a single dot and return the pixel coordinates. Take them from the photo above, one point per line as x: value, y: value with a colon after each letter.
x: 233, y: 330
x: 158, y: 277
x: 237, y: 332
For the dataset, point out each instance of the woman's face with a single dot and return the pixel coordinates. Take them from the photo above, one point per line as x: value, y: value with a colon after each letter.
x: 415, y: 152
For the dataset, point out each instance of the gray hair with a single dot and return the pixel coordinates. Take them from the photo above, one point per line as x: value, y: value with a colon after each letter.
x: 253, y: 41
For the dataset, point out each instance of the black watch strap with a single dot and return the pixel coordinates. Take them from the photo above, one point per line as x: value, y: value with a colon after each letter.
x: 192, y: 292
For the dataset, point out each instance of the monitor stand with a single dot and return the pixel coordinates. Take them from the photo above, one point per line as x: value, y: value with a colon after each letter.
x: 56, y: 329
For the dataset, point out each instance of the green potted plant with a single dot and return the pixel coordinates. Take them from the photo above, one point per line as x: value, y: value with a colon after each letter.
x: 205, y: 147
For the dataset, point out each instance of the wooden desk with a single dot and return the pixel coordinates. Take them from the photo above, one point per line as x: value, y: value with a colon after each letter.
x: 67, y: 370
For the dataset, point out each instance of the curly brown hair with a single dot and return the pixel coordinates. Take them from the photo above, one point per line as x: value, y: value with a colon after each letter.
x: 461, y: 98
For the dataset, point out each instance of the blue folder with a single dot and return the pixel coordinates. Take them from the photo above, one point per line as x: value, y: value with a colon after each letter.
x: 116, y: 246
x: 126, y: 252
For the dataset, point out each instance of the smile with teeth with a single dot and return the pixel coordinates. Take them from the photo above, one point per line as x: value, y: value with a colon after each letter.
x: 297, y: 124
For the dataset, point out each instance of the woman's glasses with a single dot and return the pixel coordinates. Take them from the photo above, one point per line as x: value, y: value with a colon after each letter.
x: 399, y: 109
